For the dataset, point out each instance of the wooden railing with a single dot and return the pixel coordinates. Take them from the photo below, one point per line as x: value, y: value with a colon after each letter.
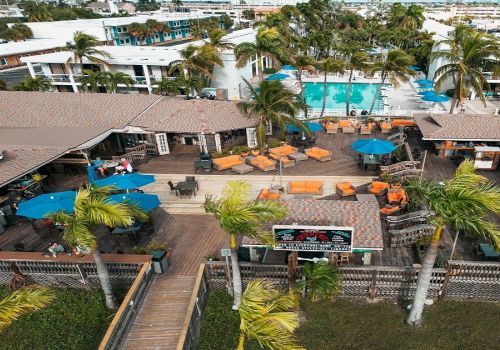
x: 134, y: 155
x: 405, y: 237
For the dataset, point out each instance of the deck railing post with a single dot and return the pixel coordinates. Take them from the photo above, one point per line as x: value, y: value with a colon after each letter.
x: 446, y: 281
x: 292, y: 265
x: 373, y: 285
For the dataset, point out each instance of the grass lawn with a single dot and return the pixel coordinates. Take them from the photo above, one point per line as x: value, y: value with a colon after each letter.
x: 355, y: 324
x: 76, y: 319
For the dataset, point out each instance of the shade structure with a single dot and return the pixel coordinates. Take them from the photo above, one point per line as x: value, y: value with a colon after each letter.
x: 373, y: 146
x: 126, y: 181
x: 288, y: 67
x: 313, y: 127
x: 415, y: 68
x: 146, y: 202
x: 435, y: 98
x: 91, y: 175
x: 424, y: 82
x: 47, y: 203
x: 277, y: 76
x: 426, y: 92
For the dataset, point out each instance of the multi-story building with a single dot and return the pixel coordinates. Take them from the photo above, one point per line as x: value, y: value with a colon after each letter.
x: 12, y: 52
x: 10, y: 11
x: 146, y: 65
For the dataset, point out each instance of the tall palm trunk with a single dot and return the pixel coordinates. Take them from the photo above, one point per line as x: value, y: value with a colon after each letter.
x: 324, y: 97
x: 102, y: 272
x: 348, y: 93
x: 259, y: 67
x: 456, y: 94
x: 299, y: 79
x: 377, y: 93
x: 424, y: 279
x: 235, y: 267
x: 241, y: 342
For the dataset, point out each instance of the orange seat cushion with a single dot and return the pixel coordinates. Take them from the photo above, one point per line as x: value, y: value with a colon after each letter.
x: 379, y: 185
x: 344, y: 123
x: 344, y: 185
x: 267, y: 194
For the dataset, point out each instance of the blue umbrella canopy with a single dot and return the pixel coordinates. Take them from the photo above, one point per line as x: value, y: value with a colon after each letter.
x: 47, y: 203
x: 146, y: 202
x: 426, y: 92
x: 313, y: 127
x: 91, y: 175
x: 373, y: 146
x: 435, y: 98
x: 277, y: 76
x: 126, y: 181
x: 415, y: 68
x: 424, y: 82
x: 288, y: 67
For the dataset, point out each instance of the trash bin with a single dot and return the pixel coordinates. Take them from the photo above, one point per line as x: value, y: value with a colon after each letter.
x: 160, y: 263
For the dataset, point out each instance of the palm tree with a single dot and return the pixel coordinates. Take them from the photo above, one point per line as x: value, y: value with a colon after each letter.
x: 37, y: 12
x: 321, y: 280
x: 93, y: 208
x: 112, y: 80
x: 84, y: 46
x: 329, y: 65
x: 3, y: 85
x: 238, y: 217
x: 18, y: 32
x: 470, y: 54
x: 272, y: 103
x: 268, y: 42
x: 462, y: 203
x: 216, y: 40
x: 33, y: 84
x: 358, y: 61
x: 176, y: 3
x: 138, y: 31
x: 92, y: 80
x: 302, y: 62
x: 153, y: 26
x: 191, y: 85
x: 268, y: 316
x: 196, y: 59
x: 22, y: 301
x: 166, y: 86
x: 394, y: 69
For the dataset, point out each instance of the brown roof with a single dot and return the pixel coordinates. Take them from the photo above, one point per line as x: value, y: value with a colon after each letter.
x: 47, y: 109
x: 473, y: 127
x: 194, y: 116
x: 363, y: 216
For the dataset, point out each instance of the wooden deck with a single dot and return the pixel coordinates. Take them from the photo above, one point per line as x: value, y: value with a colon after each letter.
x: 159, y: 322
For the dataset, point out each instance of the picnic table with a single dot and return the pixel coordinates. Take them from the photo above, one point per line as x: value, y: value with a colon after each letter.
x: 488, y: 251
x: 188, y: 187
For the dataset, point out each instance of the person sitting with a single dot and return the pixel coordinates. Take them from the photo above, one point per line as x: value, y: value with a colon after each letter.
x: 364, y: 112
x: 55, y: 248
x: 352, y: 113
x: 81, y: 250
x: 124, y: 167
x: 99, y: 165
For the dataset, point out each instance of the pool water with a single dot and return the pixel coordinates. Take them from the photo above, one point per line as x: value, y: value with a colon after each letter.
x: 362, y: 95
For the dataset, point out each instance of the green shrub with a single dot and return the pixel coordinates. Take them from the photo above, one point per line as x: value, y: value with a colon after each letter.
x: 240, y: 149
x: 223, y: 153
x: 273, y: 144
x: 269, y: 70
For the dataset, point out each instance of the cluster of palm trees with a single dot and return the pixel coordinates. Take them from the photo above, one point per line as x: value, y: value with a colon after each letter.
x: 18, y: 32
x: 143, y: 31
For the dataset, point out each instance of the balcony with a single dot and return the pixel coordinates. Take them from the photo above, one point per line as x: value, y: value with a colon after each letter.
x: 56, y: 78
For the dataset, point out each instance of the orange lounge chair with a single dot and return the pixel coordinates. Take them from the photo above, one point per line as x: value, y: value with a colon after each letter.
x: 345, y: 189
x: 305, y: 187
x: 263, y: 163
x: 378, y: 188
x: 385, y: 127
x: 266, y: 194
x: 228, y: 162
x: 390, y: 209
x: 332, y: 128
x: 402, y: 122
x: 397, y: 196
x: 319, y: 154
x: 285, y: 162
x: 282, y: 151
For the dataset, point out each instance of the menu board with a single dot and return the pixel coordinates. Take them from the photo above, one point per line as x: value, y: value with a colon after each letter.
x: 313, y: 238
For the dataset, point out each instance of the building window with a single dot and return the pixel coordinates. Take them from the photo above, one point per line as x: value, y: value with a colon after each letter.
x: 127, y: 41
x: 119, y: 29
x: 3, y: 61
x: 121, y: 41
x: 124, y: 29
x: 157, y: 36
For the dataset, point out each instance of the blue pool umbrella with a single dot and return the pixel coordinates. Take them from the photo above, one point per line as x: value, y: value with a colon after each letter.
x: 47, y: 203
x: 435, y: 98
x: 91, y: 175
x: 424, y: 82
x: 313, y: 127
x: 288, y: 67
x: 278, y: 76
x: 415, y: 68
x: 373, y: 146
x: 146, y: 202
x: 426, y: 92
x: 126, y: 182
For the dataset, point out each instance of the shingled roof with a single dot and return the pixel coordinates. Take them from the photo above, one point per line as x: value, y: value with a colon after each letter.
x: 363, y: 216
x: 194, y: 116
x: 469, y: 127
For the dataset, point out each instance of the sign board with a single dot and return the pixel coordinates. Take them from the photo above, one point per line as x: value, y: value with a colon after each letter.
x: 313, y: 238
x: 225, y: 252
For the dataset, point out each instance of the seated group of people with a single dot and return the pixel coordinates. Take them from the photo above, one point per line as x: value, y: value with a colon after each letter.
x: 56, y: 249
x: 124, y: 167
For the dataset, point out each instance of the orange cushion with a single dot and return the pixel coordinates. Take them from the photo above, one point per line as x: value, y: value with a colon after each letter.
x: 344, y: 123
x: 266, y: 194
x: 297, y: 184
x: 348, y: 191
x: 379, y: 184
x: 344, y: 185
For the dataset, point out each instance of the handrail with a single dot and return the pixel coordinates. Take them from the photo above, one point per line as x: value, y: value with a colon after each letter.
x: 123, y: 306
x: 190, y: 309
x: 107, y: 258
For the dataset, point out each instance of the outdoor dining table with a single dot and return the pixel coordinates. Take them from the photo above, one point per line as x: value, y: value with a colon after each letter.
x: 489, y: 251
x: 186, y: 185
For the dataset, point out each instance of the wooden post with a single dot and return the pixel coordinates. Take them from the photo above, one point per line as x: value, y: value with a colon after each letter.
x: 446, y: 281
x: 373, y: 285
x: 292, y: 265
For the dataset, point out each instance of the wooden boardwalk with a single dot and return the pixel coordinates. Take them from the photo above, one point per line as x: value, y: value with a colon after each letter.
x: 159, y: 322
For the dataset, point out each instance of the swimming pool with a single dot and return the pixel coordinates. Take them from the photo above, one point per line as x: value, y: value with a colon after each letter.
x: 361, y: 95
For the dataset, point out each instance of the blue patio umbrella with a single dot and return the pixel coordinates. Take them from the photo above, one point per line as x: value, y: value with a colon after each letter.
x: 426, y: 92
x: 435, y: 98
x: 91, y: 175
x: 422, y: 82
x: 146, y: 202
x: 288, y: 67
x: 415, y: 68
x: 126, y: 181
x: 277, y: 76
x: 313, y: 127
x: 47, y: 203
x: 373, y: 146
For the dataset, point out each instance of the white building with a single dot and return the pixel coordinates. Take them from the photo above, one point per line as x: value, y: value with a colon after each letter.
x: 146, y: 65
x: 10, y: 11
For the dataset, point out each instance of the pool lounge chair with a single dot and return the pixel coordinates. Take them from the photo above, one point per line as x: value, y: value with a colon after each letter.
x: 345, y: 189
x: 378, y: 188
x: 263, y: 163
x: 332, y: 128
x: 266, y: 194
x: 305, y: 187
x: 319, y: 154
x: 228, y: 162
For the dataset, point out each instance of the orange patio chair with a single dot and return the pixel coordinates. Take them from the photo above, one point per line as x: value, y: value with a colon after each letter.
x: 266, y: 194
x: 345, y: 189
x: 390, y: 209
x: 378, y: 188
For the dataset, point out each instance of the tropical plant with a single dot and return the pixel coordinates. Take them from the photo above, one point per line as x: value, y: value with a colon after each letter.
x: 329, y: 65
x: 195, y: 59
x: 268, y: 316
x: 470, y: 54
x: 463, y: 203
x: 22, y: 301
x: 93, y: 208
x: 268, y: 42
x: 33, y: 84
x: 191, y: 85
x: 92, y: 80
x: 138, y: 31
x: 238, y: 216
x: 166, y: 86
x: 303, y: 62
x: 358, y: 61
x: 3, y: 85
x: 18, y: 32
x: 112, y: 80
x: 84, y: 46
x: 176, y: 3
x: 36, y: 12
x: 272, y: 103
x: 394, y: 69
x: 411, y: 17
x: 216, y: 40
x: 321, y: 280
x: 153, y: 26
